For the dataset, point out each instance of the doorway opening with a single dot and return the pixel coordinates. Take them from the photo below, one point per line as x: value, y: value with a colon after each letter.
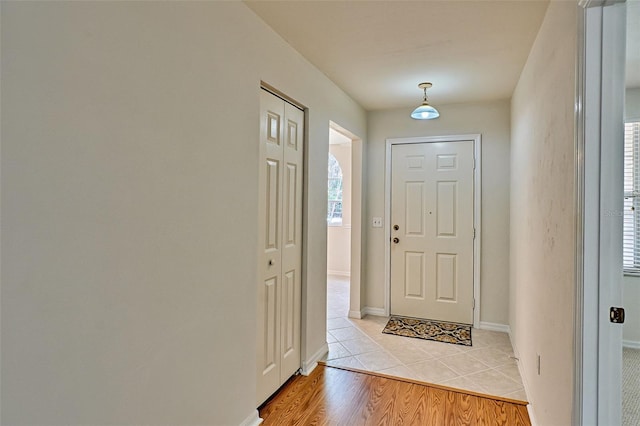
x: 344, y: 210
x: 338, y: 225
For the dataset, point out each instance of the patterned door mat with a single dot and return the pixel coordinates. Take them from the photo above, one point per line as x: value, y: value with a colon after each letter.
x: 440, y: 331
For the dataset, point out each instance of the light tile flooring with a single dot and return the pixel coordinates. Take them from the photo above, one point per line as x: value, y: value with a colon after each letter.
x: 487, y: 367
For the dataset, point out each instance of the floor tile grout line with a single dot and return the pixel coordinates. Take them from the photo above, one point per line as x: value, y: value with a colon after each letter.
x: 484, y: 340
x: 459, y: 374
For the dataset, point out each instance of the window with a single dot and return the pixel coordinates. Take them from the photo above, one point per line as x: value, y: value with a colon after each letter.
x: 334, y: 211
x: 631, y: 213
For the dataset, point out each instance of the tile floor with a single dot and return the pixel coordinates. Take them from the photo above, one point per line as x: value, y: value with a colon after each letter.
x: 487, y: 367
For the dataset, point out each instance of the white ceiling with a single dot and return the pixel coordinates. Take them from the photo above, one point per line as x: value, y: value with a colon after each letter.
x: 378, y: 51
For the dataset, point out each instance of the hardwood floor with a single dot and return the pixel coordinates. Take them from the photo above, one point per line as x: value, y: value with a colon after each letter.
x: 332, y: 396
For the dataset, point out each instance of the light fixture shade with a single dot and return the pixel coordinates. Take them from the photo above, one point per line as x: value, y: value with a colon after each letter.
x: 425, y: 112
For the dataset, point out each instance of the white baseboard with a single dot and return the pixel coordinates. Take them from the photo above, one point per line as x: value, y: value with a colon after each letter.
x: 532, y: 418
x: 355, y: 314
x: 525, y: 383
x: 631, y: 344
x: 494, y: 327
x: 345, y: 274
x: 309, y: 365
x: 376, y: 312
x: 252, y: 420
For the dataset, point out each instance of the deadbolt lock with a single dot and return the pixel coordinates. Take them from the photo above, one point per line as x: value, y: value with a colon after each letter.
x: 396, y: 227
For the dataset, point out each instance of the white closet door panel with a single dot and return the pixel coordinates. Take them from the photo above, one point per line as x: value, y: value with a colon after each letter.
x: 280, y: 243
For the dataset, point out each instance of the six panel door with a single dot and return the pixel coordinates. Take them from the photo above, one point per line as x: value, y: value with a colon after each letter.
x: 432, y: 247
x: 280, y: 243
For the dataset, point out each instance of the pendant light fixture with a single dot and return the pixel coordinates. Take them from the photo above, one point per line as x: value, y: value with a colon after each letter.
x: 425, y: 111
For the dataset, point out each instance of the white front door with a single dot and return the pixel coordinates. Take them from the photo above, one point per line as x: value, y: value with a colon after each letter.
x: 432, y: 230
x: 280, y: 243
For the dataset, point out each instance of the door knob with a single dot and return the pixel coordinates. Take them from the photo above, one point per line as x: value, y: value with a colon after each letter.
x: 396, y: 240
x: 270, y: 262
x: 396, y: 227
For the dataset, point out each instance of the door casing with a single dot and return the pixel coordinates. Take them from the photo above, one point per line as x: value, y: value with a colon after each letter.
x: 599, y: 117
x: 477, y: 198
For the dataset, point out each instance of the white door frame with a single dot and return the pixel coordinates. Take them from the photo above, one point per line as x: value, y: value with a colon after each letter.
x: 599, y: 115
x: 477, y: 198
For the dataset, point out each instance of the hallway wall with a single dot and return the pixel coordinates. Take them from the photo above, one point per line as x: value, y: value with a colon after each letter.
x: 129, y: 208
x: 542, y: 292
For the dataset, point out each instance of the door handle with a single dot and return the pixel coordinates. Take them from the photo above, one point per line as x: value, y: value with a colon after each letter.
x: 396, y: 240
x: 270, y: 262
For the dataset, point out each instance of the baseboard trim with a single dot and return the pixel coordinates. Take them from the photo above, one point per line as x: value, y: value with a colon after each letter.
x: 532, y: 418
x: 525, y: 383
x: 309, y: 365
x: 345, y: 274
x: 495, y: 327
x: 355, y: 314
x: 252, y: 420
x: 376, y: 312
x: 631, y: 344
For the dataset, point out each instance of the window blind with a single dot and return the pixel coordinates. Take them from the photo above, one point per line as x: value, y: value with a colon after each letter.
x: 631, y: 212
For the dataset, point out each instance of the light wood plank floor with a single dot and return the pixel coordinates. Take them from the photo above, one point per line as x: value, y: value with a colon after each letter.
x: 332, y: 396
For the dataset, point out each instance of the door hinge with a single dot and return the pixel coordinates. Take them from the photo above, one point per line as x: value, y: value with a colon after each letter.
x: 474, y: 303
x: 616, y: 315
x: 474, y: 233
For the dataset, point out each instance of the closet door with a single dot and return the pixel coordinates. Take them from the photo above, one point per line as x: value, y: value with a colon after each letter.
x: 280, y: 229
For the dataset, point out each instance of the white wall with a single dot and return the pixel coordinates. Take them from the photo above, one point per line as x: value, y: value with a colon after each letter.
x: 491, y: 119
x: 631, y: 285
x: 129, y: 208
x: 632, y: 104
x: 631, y: 298
x: 542, y: 216
x: 339, y: 236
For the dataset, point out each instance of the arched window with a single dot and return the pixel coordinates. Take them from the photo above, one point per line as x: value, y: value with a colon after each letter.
x: 334, y: 211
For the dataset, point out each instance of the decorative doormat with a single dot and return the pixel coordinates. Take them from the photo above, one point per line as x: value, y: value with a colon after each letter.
x: 440, y: 331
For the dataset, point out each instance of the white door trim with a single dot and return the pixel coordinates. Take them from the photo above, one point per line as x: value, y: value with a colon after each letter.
x: 477, y: 193
x: 599, y: 110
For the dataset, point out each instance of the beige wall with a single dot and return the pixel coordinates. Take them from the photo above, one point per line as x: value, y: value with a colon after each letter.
x: 631, y: 285
x: 129, y: 208
x: 339, y: 236
x: 542, y: 216
x: 491, y: 119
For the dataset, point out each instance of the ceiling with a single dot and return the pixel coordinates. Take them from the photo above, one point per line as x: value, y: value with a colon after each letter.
x: 378, y: 51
